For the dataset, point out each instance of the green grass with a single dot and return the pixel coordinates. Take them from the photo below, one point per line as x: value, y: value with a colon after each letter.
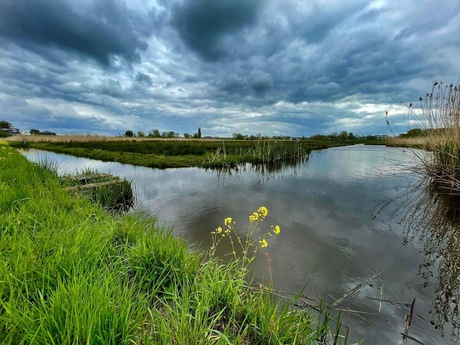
x: 71, y: 273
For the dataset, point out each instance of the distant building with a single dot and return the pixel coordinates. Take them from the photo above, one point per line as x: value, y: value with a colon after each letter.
x: 11, y: 131
x: 381, y: 137
x: 46, y: 133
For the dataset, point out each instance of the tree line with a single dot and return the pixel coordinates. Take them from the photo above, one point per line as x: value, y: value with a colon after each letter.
x: 155, y: 133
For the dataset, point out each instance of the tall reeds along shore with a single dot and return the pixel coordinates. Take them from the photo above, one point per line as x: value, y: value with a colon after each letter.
x: 73, y: 273
x: 435, y: 120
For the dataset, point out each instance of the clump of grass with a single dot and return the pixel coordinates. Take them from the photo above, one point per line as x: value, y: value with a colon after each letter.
x: 117, y: 197
x: 266, y: 154
x: 105, y: 190
x: 71, y: 273
x: 437, y: 118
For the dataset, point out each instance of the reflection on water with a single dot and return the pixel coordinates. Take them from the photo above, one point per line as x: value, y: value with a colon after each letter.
x: 264, y: 171
x: 338, y: 212
x: 434, y: 221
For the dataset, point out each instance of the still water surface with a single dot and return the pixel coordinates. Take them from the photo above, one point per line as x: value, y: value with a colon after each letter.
x: 343, y: 216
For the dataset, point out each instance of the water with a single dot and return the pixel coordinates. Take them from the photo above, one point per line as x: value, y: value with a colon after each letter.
x: 344, y: 217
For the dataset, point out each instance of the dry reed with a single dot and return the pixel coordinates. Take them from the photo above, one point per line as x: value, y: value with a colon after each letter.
x: 437, y: 119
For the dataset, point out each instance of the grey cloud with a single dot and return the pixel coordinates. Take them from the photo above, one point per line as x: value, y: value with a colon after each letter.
x: 260, y: 82
x: 143, y: 79
x: 99, y: 29
x: 203, y: 24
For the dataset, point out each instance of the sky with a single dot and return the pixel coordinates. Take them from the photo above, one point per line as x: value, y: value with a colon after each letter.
x: 270, y: 67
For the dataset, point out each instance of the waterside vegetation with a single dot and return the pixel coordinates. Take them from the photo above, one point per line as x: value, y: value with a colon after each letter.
x: 109, y: 192
x: 174, y: 153
x: 436, y: 119
x: 73, y: 273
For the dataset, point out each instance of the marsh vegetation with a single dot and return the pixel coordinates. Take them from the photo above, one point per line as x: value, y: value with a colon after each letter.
x: 435, y: 122
x: 74, y: 274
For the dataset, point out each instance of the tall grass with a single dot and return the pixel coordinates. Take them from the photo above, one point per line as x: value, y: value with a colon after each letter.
x: 438, y: 116
x: 71, y: 273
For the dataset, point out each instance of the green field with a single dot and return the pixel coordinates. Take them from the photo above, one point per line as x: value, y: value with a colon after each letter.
x: 71, y: 273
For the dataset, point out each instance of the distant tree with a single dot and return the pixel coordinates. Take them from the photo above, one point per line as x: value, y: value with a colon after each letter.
x: 169, y: 134
x: 186, y: 135
x: 155, y: 133
x: 34, y: 131
x: 238, y: 136
x: 414, y: 132
x: 129, y: 134
x: 343, y: 135
x: 351, y: 136
x: 5, y: 124
x: 199, y: 133
x: 140, y: 134
x: 333, y: 136
x: 318, y: 137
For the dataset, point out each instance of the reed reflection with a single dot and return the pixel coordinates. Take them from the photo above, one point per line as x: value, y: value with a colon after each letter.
x: 264, y: 171
x: 434, y: 220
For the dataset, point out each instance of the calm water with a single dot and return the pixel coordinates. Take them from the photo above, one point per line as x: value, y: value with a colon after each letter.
x: 345, y: 214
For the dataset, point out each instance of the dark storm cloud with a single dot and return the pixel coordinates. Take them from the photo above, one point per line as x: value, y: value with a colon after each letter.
x: 99, y: 29
x: 260, y: 82
x: 203, y: 24
x: 289, y: 67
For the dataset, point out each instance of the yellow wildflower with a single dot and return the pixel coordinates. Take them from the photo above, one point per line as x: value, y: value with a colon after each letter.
x: 263, y: 212
x: 219, y: 230
x: 263, y: 243
x: 255, y: 215
x: 277, y: 230
x: 228, y: 221
x: 251, y: 218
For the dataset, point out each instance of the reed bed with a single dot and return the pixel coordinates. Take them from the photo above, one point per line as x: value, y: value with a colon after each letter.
x: 437, y: 118
x: 71, y: 273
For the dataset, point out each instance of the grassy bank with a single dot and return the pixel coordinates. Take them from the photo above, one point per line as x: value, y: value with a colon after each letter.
x: 179, y: 153
x: 73, y: 274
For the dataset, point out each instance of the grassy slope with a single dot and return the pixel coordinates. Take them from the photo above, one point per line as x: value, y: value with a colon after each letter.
x: 72, y: 274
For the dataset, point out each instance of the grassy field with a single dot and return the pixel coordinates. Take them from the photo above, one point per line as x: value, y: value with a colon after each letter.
x: 71, y: 273
x: 167, y: 153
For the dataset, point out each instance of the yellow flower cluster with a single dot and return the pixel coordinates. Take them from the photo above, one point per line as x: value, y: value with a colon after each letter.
x: 263, y: 211
x: 260, y: 214
x: 228, y: 231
